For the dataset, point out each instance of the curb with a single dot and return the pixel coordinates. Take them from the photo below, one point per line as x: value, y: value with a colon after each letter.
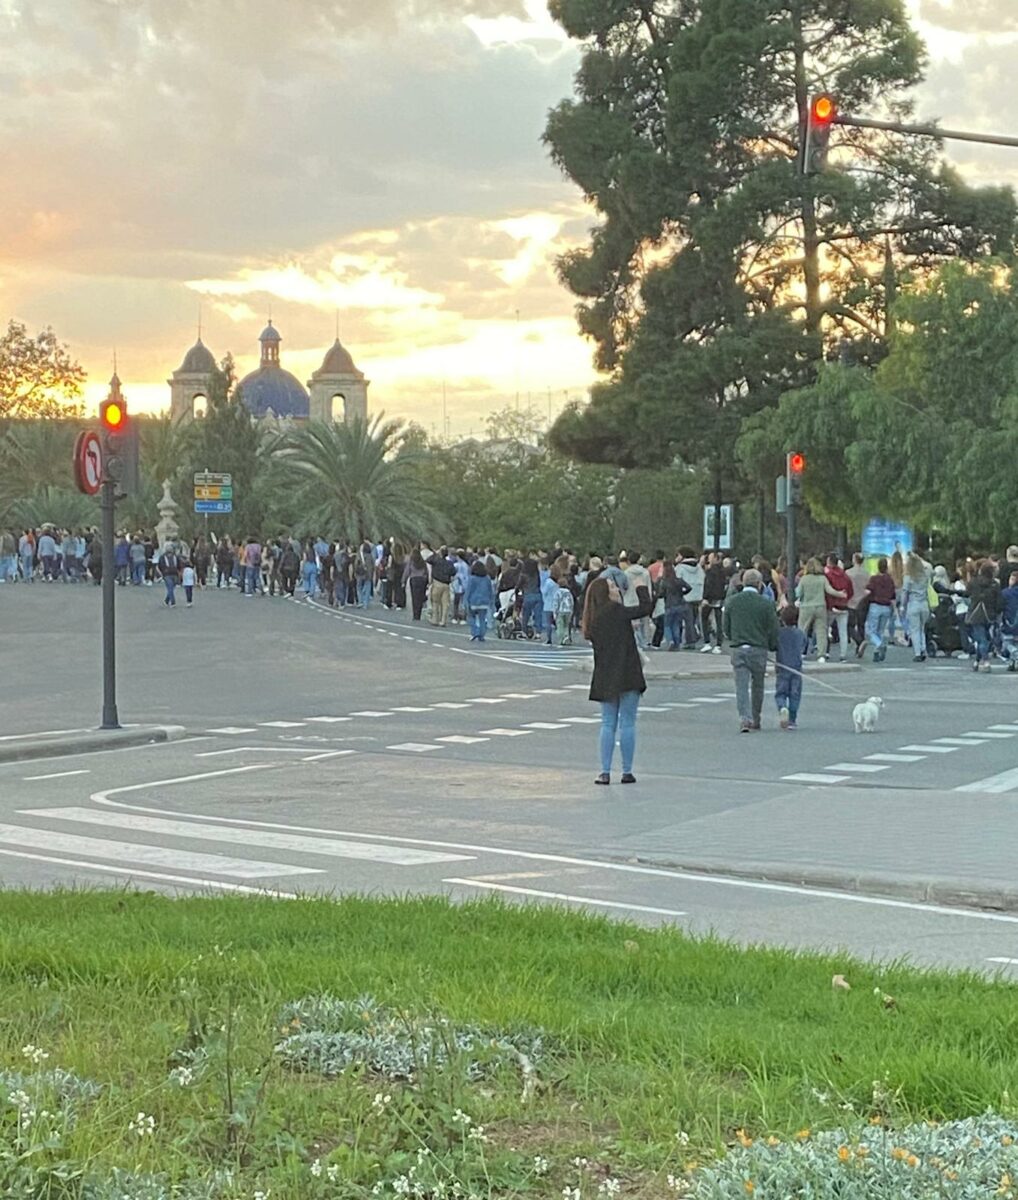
x: 950, y: 893
x: 87, y: 742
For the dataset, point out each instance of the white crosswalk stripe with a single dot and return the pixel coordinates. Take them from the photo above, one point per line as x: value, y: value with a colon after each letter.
x: 994, y: 785
x: 197, y: 831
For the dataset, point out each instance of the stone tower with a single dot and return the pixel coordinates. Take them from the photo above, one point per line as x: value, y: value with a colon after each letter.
x: 193, y: 378
x: 338, y: 382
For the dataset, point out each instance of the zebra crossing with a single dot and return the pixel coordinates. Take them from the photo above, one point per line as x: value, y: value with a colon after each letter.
x: 124, y: 843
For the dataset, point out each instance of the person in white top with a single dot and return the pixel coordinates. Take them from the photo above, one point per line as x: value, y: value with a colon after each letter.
x: 187, y: 580
x: 638, y: 576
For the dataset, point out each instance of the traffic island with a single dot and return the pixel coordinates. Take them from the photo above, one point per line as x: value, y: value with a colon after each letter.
x: 61, y: 743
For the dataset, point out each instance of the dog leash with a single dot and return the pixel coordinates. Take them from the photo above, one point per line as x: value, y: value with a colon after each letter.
x: 812, y: 679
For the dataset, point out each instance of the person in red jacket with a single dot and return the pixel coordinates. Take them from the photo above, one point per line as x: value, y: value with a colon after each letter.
x: 837, y: 607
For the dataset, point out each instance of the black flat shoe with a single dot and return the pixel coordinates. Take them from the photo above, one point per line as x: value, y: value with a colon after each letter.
x: 628, y: 778
x: 603, y: 779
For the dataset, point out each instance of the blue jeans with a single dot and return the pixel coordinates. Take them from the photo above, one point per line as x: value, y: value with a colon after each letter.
x: 533, y: 611
x: 687, y: 622
x: 310, y: 575
x: 787, y: 692
x: 171, y: 584
x: 876, y: 624
x: 673, y: 625
x: 619, y: 716
x: 981, y: 637
x: 478, y: 623
x: 916, y: 615
x: 251, y: 580
x: 26, y: 566
x: 138, y: 573
x: 364, y: 592
x: 8, y: 568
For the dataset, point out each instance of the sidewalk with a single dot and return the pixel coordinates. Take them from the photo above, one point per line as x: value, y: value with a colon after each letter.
x: 935, y: 847
x: 60, y: 743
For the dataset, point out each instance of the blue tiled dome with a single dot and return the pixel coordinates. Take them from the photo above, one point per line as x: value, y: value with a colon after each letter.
x: 272, y: 387
x: 270, y: 333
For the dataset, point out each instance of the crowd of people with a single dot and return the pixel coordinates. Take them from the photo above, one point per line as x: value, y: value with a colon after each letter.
x: 621, y: 604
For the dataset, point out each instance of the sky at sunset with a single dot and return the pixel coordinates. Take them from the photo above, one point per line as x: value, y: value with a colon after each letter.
x: 376, y: 159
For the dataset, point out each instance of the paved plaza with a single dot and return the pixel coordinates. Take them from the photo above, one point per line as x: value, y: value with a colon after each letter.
x: 346, y: 751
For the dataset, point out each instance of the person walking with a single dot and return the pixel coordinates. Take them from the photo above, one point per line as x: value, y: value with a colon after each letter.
x: 673, y: 591
x: 442, y: 572
x: 858, y: 577
x: 788, y: 668
x: 618, y: 681
x: 415, y: 573
x: 715, y: 584
x: 880, y: 591
x: 169, y: 569
x: 812, y: 592
x: 637, y: 576
x: 838, y: 607
x: 478, y: 598
x: 565, y: 604
x: 983, y: 610
x: 915, y: 600
x: 751, y: 627
x: 188, y: 578
x: 26, y: 552
x: 688, y: 568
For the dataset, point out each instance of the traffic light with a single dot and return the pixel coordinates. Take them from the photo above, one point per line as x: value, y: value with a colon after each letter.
x: 795, y: 465
x: 823, y: 112
x: 120, y: 441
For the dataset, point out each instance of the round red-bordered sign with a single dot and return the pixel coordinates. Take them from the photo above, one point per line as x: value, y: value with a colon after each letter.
x: 88, y: 463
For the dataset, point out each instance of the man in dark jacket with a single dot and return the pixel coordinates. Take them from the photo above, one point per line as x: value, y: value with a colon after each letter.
x: 751, y: 627
x: 169, y: 569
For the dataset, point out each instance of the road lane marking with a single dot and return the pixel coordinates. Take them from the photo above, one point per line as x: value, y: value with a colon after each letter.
x: 460, y: 739
x: 806, y: 777
x: 932, y: 749
x: 708, y: 700
x: 522, y: 891
x: 582, y: 720
x: 57, y: 775
x: 414, y: 747
x: 42, y: 733
x: 449, y: 704
x: 234, y: 729
x: 896, y: 758
x: 134, y: 873
x: 543, y: 725
x: 676, y: 874
x: 253, y: 750
x: 1012, y: 727
x: 411, y: 709
x: 487, y: 700
x: 328, y: 720
x: 1009, y: 961
x: 994, y: 785
x: 399, y: 856
x: 372, y: 712
x: 959, y: 741
x: 986, y: 733
x: 507, y: 732
x: 530, y: 695
x: 280, y: 724
x: 645, y: 708
x: 155, y: 856
x: 860, y: 768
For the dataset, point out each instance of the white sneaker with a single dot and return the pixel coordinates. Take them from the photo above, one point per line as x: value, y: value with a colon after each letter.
x: 716, y: 650
x: 783, y: 717
x: 961, y: 656
x: 705, y: 649
x: 822, y: 658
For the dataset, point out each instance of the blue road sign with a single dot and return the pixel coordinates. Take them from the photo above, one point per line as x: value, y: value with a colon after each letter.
x: 213, y: 506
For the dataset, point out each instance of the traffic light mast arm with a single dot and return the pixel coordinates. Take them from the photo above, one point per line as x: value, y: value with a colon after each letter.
x: 954, y: 135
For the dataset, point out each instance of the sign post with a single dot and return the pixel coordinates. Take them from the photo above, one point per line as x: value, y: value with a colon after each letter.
x: 213, y: 492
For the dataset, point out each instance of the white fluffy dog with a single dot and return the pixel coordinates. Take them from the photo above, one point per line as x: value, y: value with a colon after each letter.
x: 866, y: 714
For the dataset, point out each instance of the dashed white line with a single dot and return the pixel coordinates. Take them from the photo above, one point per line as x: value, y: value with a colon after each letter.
x: 932, y: 749
x: 234, y: 729
x: 543, y: 725
x: 280, y: 724
x: 959, y: 741
x: 411, y: 709
x: 487, y: 700
x: 449, y: 704
x: 985, y: 733
x: 582, y: 720
x: 328, y: 720
x: 414, y: 747
x: 371, y: 712
x: 564, y: 896
x: 461, y: 739
x: 507, y: 732
x: 994, y: 785
x: 860, y: 768
x: 57, y: 775
x: 896, y: 758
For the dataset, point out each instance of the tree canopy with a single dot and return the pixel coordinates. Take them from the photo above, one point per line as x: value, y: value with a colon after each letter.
x: 38, y: 376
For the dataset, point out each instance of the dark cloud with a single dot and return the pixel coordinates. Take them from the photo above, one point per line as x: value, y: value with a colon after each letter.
x: 971, y: 16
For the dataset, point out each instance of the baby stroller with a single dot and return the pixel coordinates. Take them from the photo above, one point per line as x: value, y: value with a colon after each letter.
x: 945, y: 633
x: 509, y: 618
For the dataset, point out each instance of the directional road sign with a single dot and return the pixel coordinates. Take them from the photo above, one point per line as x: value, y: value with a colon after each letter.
x: 213, y: 506
x: 212, y: 479
x: 213, y: 493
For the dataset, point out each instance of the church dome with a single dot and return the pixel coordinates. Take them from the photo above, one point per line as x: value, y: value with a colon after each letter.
x: 272, y: 387
x: 337, y: 362
x: 270, y: 333
x: 198, y: 360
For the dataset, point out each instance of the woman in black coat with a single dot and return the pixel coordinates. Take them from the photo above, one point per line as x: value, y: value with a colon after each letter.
x: 618, y: 681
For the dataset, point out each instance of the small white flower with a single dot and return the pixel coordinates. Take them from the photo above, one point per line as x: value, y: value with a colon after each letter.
x: 378, y: 1189
x: 262, y: 1195
x: 19, y: 1099
x: 682, y: 1137
x: 34, y: 1054
x: 381, y: 1101
x: 477, y: 1134
x: 401, y: 1185
x: 821, y: 1097
x: 332, y: 1172
x: 609, y: 1187
x: 142, y: 1125
x: 580, y: 1163
x: 316, y: 1168
x: 459, y: 1117
x: 422, y: 1154
x: 182, y: 1076
x: 541, y: 1165
x: 569, y: 1193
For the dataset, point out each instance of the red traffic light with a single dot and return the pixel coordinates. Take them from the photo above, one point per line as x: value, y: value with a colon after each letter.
x: 824, y: 110
x: 796, y: 463
x: 112, y: 414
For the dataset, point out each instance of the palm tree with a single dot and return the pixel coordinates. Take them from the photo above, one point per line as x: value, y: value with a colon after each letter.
x: 361, y: 481
x: 34, y: 454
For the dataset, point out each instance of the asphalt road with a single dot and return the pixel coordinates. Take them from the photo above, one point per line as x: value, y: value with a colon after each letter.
x: 357, y: 752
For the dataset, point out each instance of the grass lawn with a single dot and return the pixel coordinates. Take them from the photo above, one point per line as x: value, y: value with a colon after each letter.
x: 192, y: 1049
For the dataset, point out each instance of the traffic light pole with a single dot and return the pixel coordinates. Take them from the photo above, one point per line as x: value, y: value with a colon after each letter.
x: 934, y: 131
x: 791, y: 548
x: 110, y: 718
